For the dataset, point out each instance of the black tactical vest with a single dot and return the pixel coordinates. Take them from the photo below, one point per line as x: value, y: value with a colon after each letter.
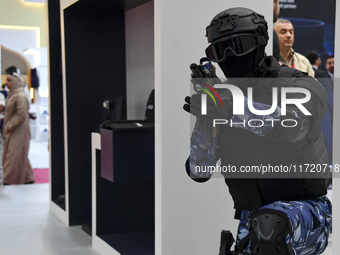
x: 239, y: 147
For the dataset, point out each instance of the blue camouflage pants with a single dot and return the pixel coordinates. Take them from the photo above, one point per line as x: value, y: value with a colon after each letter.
x: 311, y: 221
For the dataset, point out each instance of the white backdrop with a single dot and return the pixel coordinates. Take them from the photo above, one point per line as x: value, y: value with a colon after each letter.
x: 336, y: 135
x: 189, y: 215
x: 13, y: 38
x: 140, y: 68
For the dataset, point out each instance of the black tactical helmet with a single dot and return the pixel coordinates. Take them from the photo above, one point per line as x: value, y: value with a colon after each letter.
x: 240, y: 30
x: 235, y: 21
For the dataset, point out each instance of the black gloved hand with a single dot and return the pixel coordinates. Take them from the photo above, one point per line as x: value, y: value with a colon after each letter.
x: 224, y: 111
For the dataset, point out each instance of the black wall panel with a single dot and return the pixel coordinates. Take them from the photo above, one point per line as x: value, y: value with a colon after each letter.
x: 95, y: 71
x: 124, y: 206
x: 56, y: 102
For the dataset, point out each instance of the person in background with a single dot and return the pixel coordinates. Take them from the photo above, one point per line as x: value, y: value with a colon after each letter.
x: 16, y: 133
x: 315, y: 60
x: 330, y: 66
x: 285, y: 31
x: 13, y: 69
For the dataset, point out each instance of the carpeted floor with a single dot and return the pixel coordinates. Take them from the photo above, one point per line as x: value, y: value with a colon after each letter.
x: 41, y: 175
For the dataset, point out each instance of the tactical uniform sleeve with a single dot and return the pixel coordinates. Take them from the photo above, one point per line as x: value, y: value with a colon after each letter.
x: 201, y: 159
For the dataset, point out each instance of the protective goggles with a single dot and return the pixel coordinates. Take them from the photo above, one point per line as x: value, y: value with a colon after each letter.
x: 234, y: 45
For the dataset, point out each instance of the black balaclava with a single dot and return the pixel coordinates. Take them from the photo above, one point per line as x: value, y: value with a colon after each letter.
x: 235, y: 67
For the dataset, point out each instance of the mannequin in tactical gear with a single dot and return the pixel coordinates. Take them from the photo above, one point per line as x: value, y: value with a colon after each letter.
x: 278, y: 215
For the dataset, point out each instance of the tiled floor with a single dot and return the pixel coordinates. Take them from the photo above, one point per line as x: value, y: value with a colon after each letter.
x: 27, y: 227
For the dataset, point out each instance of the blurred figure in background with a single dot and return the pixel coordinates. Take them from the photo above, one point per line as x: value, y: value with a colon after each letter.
x: 315, y: 61
x: 16, y: 133
x: 13, y: 69
x: 330, y: 66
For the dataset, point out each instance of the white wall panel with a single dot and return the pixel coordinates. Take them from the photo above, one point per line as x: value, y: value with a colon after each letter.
x: 189, y: 215
x: 336, y: 135
x: 13, y: 38
x: 61, y: 214
x: 139, y: 34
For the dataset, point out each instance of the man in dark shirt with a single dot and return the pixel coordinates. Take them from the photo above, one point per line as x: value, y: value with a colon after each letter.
x: 315, y: 61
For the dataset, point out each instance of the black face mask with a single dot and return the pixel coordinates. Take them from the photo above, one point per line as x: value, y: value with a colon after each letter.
x: 237, y: 67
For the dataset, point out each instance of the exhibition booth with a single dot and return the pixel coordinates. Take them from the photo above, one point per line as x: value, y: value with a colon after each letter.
x: 124, y: 181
